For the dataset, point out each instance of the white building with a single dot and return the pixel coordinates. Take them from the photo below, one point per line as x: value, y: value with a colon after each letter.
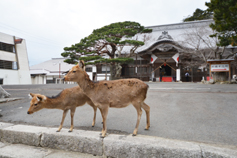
x: 53, y: 71
x: 14, y: 65
x: 50, y: 71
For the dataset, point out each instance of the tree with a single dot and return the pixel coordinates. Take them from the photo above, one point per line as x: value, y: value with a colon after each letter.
x: 224, y: 31
x: 199, y: 14
x: 198, y: 47
x: 225, y: 21
x: 107, y: 42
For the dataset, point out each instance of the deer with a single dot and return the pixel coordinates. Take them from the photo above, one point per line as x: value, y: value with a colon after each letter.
x: 68, y: 99
x: 112, y: 94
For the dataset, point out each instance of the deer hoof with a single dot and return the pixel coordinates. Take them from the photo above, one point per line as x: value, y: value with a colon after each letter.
x: 58, y: 131
x: 133, y: 134
x: 102, y: 136
x: 92, y: 126
x: 69, y: 131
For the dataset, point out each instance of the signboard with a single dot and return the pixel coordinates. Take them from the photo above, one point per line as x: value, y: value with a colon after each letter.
x: 219, y: 67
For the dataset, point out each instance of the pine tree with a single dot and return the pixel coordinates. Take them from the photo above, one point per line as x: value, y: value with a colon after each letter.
x: 199, y: 14
x: 108, y: 40
x: 225, y: 17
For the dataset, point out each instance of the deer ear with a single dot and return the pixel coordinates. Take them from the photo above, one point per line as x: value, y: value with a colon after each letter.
x: 30, y: 95
x: 41, y: 98
x: 38, y: 98
x: 81, y: 64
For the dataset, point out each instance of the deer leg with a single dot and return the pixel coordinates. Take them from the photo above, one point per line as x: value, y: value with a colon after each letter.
x: 72, y: 115
x: 94, y: 118
x: 139, y: 113
x: 95, y: 109
x: 64, y: 115
x: 104, y: 113
x: 102, y: 119
x: 147, y: 110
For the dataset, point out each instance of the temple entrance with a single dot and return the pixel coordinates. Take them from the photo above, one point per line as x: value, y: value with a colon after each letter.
x: 166, y: 70
x: 165, y: 74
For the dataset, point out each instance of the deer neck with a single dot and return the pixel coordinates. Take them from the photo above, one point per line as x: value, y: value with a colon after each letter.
x: 52, y: 103
x: 86, y: 84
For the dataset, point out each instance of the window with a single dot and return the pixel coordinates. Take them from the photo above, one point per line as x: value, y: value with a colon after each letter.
x: 50, y: 81
x: 7, y: 47
x: 14, y: 65
x: 99, y: 69
x: 4, y: 64
x: 88, y: 69
x: 1, y: 81
x: 142, y: 70
x: 105, y: 69
x: 129, y: 71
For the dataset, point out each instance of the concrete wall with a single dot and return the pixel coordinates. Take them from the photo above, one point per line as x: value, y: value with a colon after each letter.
x: 15, y: 76
x: 23, y: 56
x: 7, y: 56
x: 5, y: 38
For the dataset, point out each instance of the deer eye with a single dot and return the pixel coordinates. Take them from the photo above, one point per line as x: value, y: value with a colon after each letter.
x: 73, y: 71
x: 35, y: 104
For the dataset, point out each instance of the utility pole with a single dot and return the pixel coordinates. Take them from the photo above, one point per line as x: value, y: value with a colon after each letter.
x: 59, y: 69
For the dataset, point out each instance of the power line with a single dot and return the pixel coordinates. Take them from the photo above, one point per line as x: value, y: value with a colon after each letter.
x: 28, y: 34
x: 49, y: 45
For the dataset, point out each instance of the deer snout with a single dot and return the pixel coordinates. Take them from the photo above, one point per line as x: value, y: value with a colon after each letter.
x: 28, y: 112
x: 65, y: 78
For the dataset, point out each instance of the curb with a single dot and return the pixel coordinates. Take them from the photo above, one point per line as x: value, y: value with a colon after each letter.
x: 111, y: 146
x: 3, y: 100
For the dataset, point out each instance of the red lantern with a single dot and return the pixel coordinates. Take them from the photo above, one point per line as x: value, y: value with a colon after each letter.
x: 164, y: 64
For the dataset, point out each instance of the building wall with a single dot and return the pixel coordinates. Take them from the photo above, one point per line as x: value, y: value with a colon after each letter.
x: 14, y: 75
x: 22, y: 56
x: 38, y: 79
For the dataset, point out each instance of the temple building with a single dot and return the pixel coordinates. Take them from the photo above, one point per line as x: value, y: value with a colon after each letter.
x: 173, y: 50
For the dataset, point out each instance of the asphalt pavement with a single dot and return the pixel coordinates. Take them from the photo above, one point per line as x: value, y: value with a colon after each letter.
x: 204, y: 113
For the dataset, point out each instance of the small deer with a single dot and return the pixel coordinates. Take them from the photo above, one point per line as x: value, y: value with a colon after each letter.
x: 116, y: 93
x: 68, y: 99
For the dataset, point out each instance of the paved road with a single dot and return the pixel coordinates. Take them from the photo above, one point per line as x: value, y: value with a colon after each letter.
x: 183, y: 111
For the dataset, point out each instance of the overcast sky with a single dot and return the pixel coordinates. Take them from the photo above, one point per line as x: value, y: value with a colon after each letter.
x: 50, y: 25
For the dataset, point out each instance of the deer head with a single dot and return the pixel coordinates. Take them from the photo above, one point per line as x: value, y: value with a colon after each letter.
x: 36, y: 103
x: 76, y: 73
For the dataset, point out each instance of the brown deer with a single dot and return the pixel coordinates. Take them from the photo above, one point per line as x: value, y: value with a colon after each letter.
x: 116, y: 93
x: 68, y: 99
